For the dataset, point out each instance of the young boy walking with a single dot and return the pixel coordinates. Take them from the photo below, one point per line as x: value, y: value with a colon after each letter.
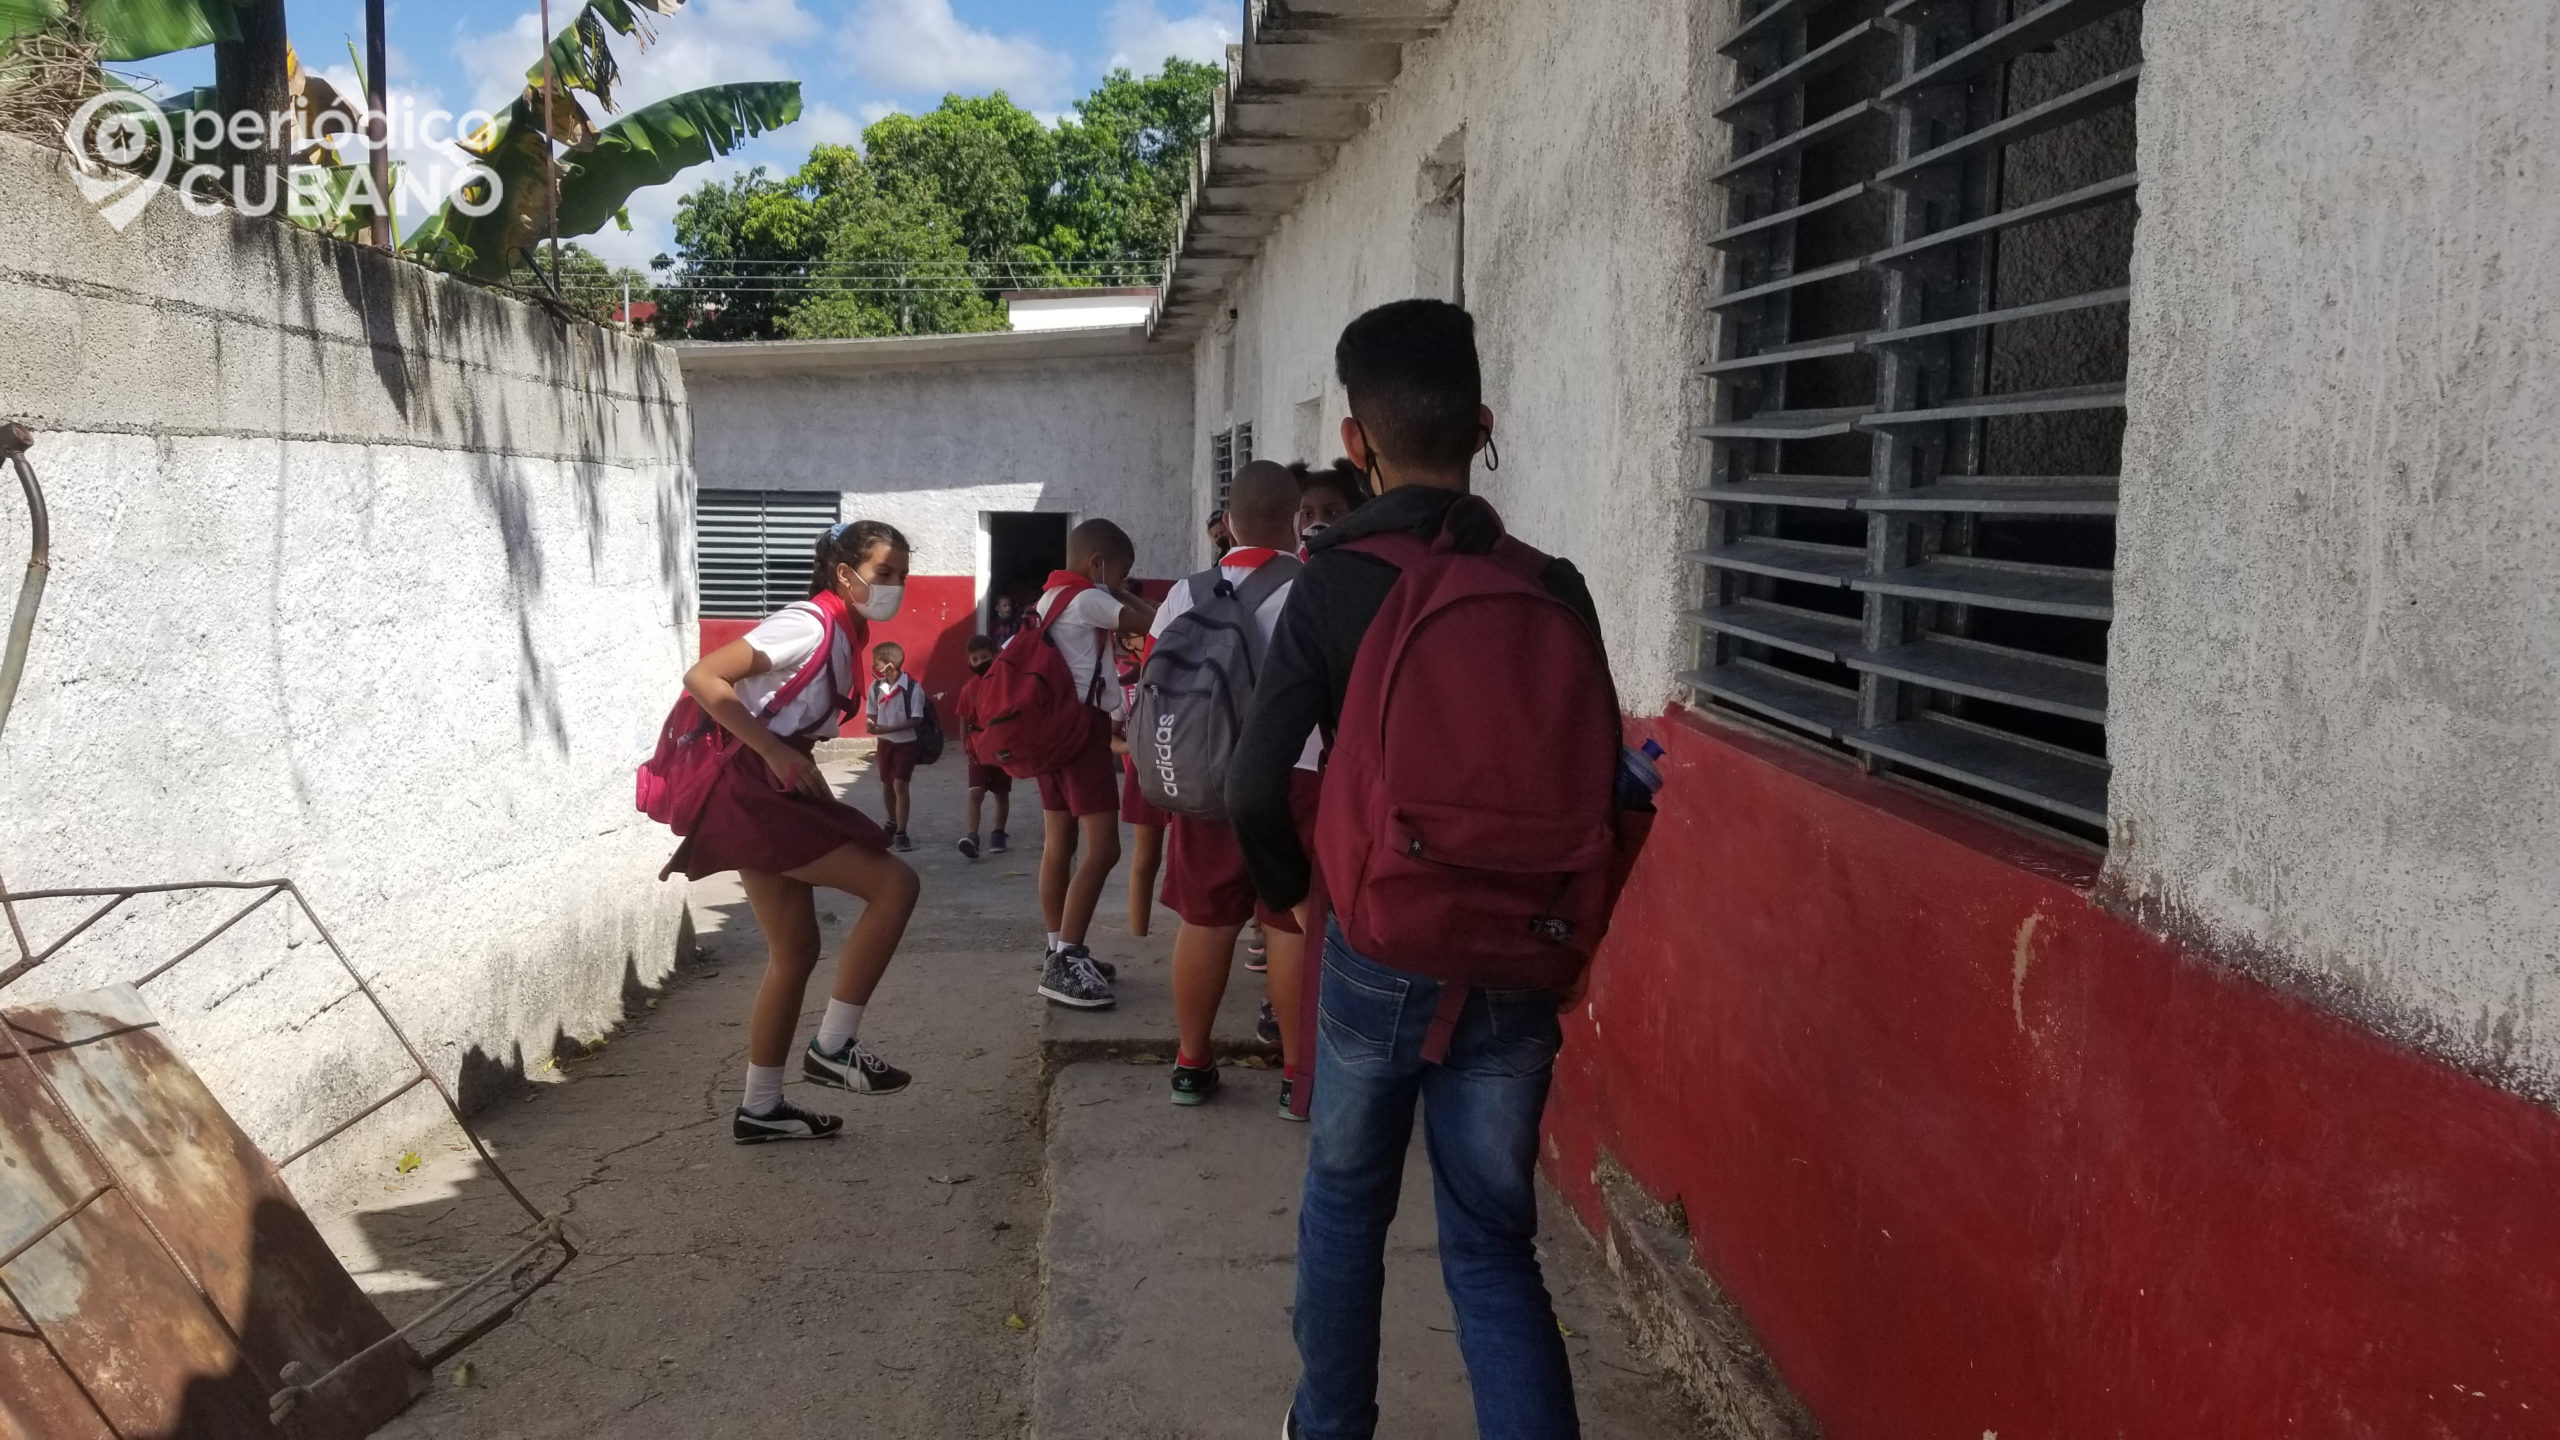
x: 986, y: 781
x: 1205, y: 881
x: 1464, y: 833
x: 1083, y: 607
x: 894, y: 712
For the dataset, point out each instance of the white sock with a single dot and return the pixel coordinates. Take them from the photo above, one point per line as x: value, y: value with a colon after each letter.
x: 764, y: 1088
x: 1053, y: 939
x: 843, y: 1022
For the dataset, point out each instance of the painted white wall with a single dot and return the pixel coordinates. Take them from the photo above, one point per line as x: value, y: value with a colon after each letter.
x: 361, y: 577
x: 2336, y: 655
x: 927, y: 433
x: 1103, y: 308
x: 1585, y: 205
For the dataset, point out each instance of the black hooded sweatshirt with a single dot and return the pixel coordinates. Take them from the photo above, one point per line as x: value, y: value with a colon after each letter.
x: 1308, y: 667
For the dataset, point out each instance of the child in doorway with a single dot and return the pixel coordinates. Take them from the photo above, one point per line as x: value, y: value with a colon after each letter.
x: 985, y: 781
x: 773, y: 818
x: 1205, y: 879
x: 1146, y: 823
x: 1085, y: 605
x: 894, y: 712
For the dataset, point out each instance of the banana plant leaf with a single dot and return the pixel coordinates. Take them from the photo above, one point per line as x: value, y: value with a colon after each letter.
x: 580, y: 58
x: 132, y: 29
x: 650, y: 146
x: 19, y: 17
x: 656, y: 143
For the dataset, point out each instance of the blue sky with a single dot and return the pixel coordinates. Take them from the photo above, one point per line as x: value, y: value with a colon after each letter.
x: 856, y: 60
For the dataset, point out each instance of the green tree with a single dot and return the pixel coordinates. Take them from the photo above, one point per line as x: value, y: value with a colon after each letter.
x: 1124, y: 162
x: 589, y: 287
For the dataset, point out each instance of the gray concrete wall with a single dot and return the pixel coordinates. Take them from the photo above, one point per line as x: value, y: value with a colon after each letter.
x: 1585, y: 153
x: 926, y: 433
x: 2336, y: 656
x: 362, y: 577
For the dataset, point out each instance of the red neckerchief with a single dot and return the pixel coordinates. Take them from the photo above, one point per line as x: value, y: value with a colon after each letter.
x: 1247, y: 557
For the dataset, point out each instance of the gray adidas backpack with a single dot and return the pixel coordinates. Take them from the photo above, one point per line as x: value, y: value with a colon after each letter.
x: 1197, y: 688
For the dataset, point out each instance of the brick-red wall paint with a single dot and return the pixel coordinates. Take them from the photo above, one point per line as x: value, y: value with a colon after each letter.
x: 934, y: 624
x: 1974, y: 1155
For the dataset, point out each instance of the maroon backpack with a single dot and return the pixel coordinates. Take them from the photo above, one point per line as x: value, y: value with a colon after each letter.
x: 675, y: 781
x: 1469, y: 819
x: 1031, y: 721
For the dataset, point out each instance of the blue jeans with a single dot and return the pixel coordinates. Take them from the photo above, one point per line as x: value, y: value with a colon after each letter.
x: 1480, y: 1125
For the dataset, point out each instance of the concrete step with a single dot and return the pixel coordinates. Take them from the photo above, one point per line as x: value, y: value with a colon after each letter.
x: 1168, y: 1270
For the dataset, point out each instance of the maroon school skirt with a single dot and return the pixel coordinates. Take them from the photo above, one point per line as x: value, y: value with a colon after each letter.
x: 752, y: 823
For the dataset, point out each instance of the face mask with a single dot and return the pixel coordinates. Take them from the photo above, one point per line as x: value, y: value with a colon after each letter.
x: 882, y: 603
x: 1314, y: 530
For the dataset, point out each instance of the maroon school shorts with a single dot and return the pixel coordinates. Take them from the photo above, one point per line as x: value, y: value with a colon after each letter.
x: 895, y: 760
x: 990, y: 778
x: 1204, y: 875
x: 1090, y: 783
x: 1133, y: 801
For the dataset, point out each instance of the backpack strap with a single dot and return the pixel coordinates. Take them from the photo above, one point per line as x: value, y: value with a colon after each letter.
x: 1258, y: 588
x: 817, y: 664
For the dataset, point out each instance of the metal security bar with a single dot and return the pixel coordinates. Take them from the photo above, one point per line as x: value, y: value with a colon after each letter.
x: 752, y: 548
x: 1918, y: 387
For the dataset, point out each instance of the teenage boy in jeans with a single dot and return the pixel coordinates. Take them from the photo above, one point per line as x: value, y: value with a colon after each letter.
x: 1416, y: 422
x: 1080, y: 801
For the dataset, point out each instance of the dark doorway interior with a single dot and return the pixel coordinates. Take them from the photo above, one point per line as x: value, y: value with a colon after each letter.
x: 1023, y: 546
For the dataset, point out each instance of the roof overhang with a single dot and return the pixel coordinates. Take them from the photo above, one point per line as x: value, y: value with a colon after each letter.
x: 745, y: 358
x: 1303, y: 82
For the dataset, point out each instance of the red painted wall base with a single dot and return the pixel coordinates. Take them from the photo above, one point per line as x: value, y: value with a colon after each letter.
x: 934, y: 624
x: 1976, y: 1156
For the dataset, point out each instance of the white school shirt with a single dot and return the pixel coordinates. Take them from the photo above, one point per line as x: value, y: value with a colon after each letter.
x: 1266, y: 619
x: 1083, y: 636
x: 786, y: 640
x: 897, y: 707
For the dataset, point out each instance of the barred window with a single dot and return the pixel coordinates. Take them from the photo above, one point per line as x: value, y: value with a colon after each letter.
x: 1918, y: 387
x: 1230, y: 450
x: 752, y: 548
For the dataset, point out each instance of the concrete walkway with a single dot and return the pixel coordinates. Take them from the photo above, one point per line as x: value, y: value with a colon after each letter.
x: 1028, y: 1242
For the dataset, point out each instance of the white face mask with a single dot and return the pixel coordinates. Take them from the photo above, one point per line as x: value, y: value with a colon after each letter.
x: 882, y: 603
x: 1313, y: 531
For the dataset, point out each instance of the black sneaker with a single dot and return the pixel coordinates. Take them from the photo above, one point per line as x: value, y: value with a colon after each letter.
x: 852, y: 1068
x: 1289, y: 1424
x: 785, y: 1121
x: 1072, y: 979
x: 1288, y: 1089
x: 996, y: 843
x: 1266, y: 1026
x: 1194, y: 1084
x: 969, y: 846
x: 902, y: 842
x: 1109, y: 970
x: 1257, y: 948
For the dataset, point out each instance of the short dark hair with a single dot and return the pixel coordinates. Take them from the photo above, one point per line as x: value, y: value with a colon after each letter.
x: 1101, y: 537
x: 1341, y: 477
x: 978, y: 643
x: 1409, y: 368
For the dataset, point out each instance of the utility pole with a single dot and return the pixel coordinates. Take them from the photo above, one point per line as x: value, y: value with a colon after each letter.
x: 550, y: 156
x: 377, y: 121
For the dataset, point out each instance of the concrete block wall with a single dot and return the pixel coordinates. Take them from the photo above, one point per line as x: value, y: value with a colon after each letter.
x: 2335, y: 666
x: 1584, y: 151
x: 362, y: 577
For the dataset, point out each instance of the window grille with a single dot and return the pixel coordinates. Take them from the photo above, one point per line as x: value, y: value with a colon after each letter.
x: 1230, y: 450
x: 752, y: 548
x: 1918, y: 387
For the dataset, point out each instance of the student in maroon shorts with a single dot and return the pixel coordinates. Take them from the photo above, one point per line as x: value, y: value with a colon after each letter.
x: 1146, y: 823
x: 894, y: 713
x: 1085, y: 604
x: 1205, y: 879
x: 773, y: 818
x: 985, y: 780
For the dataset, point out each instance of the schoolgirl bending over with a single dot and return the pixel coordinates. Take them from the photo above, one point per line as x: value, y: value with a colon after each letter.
x: 774, y: 819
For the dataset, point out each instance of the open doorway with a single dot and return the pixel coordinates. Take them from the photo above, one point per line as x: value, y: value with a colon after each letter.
x: 1021, y: 548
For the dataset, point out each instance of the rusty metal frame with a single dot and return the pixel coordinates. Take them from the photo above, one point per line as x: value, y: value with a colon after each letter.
x: 292, y: 1386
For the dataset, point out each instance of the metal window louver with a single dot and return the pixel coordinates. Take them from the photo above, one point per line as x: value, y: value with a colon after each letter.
x: 752, y: 548
x: 1918, y: 386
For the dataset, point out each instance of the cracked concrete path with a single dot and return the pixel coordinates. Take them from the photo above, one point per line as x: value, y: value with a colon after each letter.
x: 856, y: 1286
x: 872, y: 1285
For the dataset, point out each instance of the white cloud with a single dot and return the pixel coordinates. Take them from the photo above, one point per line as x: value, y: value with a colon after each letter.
x: 824, y: 124
x: 914, y: 47
x: 709, y: 42
x: 1141, y: 35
